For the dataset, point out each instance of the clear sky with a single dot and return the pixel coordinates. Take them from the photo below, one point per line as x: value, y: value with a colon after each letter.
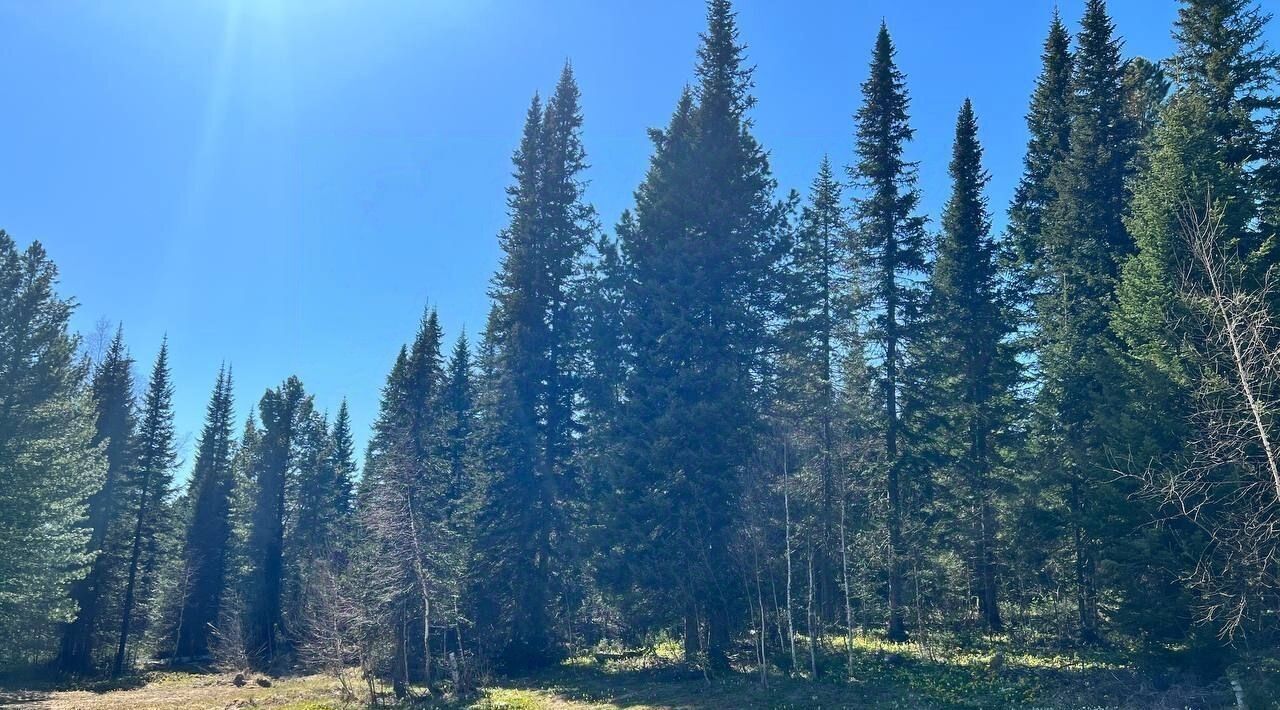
x: 285, y: 184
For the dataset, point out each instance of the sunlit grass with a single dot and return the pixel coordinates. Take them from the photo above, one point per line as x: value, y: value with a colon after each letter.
x: 987, y: 671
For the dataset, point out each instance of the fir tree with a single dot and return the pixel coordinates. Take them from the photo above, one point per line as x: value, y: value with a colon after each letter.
x: 1082, y: 244
x: 820, y: 296
x: 701, y: 263
x: 969, y: 362
x: 1223, y: 58
x: 459, y: 405
x: 1209, y: 140
x: 1049, y: 123
x: 318, y: 498
x: 285, y: 411
x: 891, y: 241
x: 341, y: 463
x: 534, y: 379
x: 1207, y: 144
x: 407, y: 506
x: 116, y: 425
x: 147, y: 488
x: 206, y: 549
x: 50, y: 457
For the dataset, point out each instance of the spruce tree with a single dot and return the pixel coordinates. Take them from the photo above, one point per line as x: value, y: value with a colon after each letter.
x: 206, y: 549
x: 891, y: 241
x: 318, y: 500
x: 819, y: 306
x: 969, y: 362
x: 284, y: 411
x: 381, y: 504
x: 1083, y: 242
x: 534, y: 381
x: 116, y: 425
x: 1208, y: 145
x: 459, y: 406
x: 51, y: 460
x: 341, y: 463
x: 701, y: 260
x: 1209, y: 142
x: 1223, y: 58
x: 147, y: 487
x: 407, y: 504
x: 1049, y: 123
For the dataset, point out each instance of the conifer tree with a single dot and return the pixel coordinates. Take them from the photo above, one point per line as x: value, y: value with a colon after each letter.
x: 891, y: 241
x: 209, y: 534
x: 534, y: 381
x: 50, y: 458
x: 1209, y: 141
x: 318, y: 499
x: 1224, y: 59
x: 1083, y: 242
x: 408, y: 504
x: 969, y: 363
x: 1049, y: 123
x: 147, y: 487
x: 341, y: 462
x: 116, y: 425
x: 702, y: 265
x: 820, y: 295
x: 285, y: 411
x: 459, y: 404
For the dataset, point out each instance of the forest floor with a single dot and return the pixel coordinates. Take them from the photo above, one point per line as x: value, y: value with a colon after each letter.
x: 884, y: 676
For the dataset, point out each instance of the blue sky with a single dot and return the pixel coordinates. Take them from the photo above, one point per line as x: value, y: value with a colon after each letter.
x: 284, y: 184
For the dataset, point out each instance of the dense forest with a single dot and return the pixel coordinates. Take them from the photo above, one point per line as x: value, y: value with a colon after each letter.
x: 747, y: 423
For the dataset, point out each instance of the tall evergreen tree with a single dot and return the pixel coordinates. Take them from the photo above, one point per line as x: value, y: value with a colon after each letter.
x: 1082, y: 244
x: 891, y: 240
x: 341, y: 462
x: 459, y: 406
x: 1223, y: 58
x: 701, y: 262
x: 116, y: 425
x: 147, y: 488
x: 969, y: 361
x: 819, y: 299
x: 319, y: 499
x: 1209, y: 143
x: 50, y: 457
x: 206, y: 549
x: 1049, y: 123
x: 408, y: 504
x: 1049, y: 126
x: 534, y: 380
x: 285, y: 412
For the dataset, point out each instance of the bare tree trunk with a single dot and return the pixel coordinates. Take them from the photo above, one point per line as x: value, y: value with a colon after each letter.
x: 182, y: 607
x: 135, y: 555
x: 786, y: 507
x: 809, y: 623
x: 989, y: 600
x: 764, y: 657
x: 690, y: 631
x: 421, y: 573
x: 1086, y: 603
x: 848, y: 605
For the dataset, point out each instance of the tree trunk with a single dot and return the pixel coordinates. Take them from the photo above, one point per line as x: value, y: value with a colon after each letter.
x: 126, y: 618
x: 690, y: 632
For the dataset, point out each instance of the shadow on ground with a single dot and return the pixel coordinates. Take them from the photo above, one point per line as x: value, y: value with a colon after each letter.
x: 877, y: 681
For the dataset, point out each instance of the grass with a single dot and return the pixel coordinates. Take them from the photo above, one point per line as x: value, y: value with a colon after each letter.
x: 883, y: 675
x: 183, y: 690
